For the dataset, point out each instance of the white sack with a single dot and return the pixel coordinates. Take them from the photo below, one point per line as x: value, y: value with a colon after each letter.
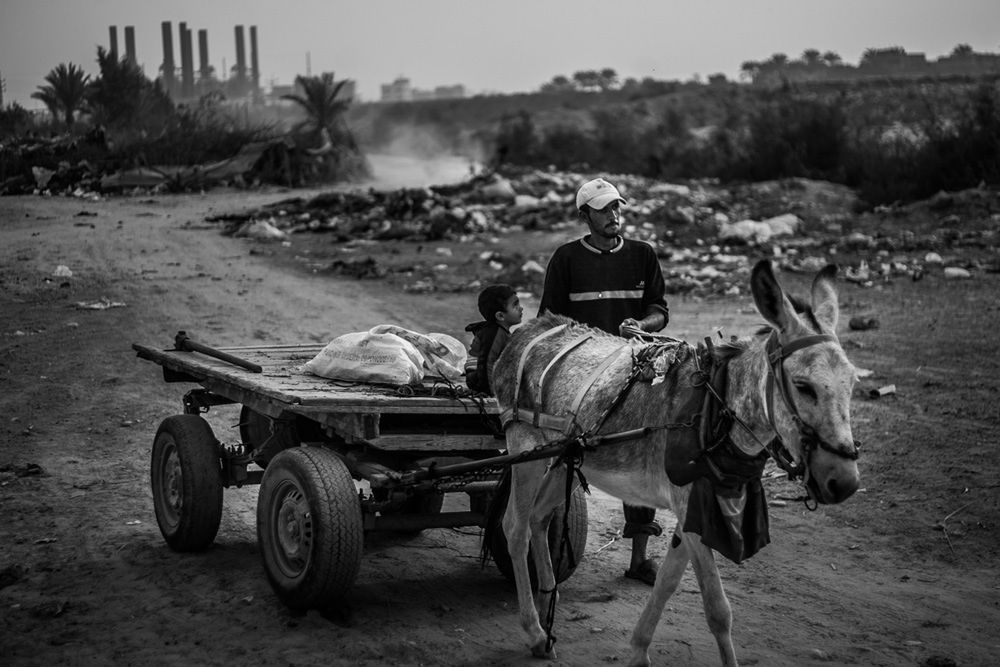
x: 369, y: 357
x: 443, y: 355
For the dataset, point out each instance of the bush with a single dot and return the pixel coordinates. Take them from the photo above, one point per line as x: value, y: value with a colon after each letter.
x: 14, y: 120
x: 754, y: 136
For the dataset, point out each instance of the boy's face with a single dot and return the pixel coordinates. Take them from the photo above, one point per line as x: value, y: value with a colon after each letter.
x: 511, y: 314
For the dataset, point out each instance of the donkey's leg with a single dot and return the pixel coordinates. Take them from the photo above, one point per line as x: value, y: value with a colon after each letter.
x: 525, y: 480
x: 718, y: 613
x: 551, y: 493
x: 667, y: 579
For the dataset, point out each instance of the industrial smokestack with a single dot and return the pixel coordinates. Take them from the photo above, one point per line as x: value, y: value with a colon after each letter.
x: 254, y: 69
x: 241, y: 62
x: 168, y: 57
x: 204, y: 70
x: 113, y: 35
x: 187, y: 61
x: 130, y: 43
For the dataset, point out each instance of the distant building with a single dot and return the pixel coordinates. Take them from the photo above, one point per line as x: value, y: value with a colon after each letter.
x: 401, y: 90
x: 397, y: 91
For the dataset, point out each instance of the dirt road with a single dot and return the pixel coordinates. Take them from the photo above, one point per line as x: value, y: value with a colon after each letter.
x: 85, y: 576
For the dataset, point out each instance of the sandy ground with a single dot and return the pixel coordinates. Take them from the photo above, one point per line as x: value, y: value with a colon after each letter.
x: 904, y: 573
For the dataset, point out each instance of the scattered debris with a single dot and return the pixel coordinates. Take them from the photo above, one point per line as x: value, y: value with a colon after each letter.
x: 882, y: 391
x: 956, y: 273
x: 26, y: 469
x: 942, y: 526
x: 863, y: 323
x: 100, y: 304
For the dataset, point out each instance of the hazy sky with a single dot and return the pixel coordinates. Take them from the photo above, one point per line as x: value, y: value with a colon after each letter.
x: 508, y: 46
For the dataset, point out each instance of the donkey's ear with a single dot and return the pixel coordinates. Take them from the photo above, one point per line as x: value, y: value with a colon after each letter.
x: 824, y: 298
x: 770, y: 300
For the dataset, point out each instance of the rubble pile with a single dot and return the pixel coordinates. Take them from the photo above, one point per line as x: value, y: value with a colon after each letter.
x: 87, y: 166
x: 707, y: 235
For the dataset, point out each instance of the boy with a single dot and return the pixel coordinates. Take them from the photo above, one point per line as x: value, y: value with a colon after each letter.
x: 501, y: 309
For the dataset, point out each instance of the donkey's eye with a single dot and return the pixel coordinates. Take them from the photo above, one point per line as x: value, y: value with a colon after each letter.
x: 806, y: 390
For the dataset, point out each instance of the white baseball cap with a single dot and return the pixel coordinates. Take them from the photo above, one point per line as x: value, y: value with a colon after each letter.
x: 597, y: 194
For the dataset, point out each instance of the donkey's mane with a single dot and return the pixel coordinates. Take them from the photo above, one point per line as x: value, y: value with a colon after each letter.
x: 727, y: 350
x: 548, y: 320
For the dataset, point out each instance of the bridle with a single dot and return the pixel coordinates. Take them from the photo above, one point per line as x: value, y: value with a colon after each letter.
x: 776, y: 377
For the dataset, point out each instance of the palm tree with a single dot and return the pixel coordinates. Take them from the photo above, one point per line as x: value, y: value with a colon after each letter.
x: 749, y: 69
x: 65, y: 92
x: 608, y: 79
x: 832, y: 58
x: 338, y: 155
x: 811, y: 57
x: 320, y: 99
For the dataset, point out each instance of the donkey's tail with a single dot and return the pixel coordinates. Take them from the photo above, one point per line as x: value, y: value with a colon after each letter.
x: 494, y: 517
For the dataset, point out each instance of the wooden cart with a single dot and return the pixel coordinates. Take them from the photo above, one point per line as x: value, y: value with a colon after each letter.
x: 334, y: 461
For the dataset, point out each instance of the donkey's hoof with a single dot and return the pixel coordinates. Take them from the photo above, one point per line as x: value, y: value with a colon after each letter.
x: 538, y: 651
x: 639, y: 660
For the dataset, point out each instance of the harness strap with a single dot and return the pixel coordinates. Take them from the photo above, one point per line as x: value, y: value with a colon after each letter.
x: 582, y: 392
x: 563, y: 351
x: 524, y: 358
x: 776, y: 354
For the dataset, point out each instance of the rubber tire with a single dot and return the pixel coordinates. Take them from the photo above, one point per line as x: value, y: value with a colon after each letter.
x: 314, y: 561
x: 577, y: 539
x: 255, y: 429
x: 186, y: 477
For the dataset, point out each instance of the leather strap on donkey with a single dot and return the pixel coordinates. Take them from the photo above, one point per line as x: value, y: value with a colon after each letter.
x: 566, y: 423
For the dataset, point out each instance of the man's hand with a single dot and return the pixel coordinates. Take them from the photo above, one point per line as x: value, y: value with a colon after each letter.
x: 630, y: 323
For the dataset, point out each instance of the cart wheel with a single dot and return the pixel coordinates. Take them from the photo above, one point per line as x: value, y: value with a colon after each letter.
x: 309, y: 527
x: 186, y: 477
x: 577, y: 539
x: 265, y: 436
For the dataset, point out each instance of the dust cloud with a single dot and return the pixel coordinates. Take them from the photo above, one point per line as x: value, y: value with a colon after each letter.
x: 407, y: 155
x: 393, y: 171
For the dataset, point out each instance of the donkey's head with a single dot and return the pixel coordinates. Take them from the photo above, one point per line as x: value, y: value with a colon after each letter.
x: 810, y: 384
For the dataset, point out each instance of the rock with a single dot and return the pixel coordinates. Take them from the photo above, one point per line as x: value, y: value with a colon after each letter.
x: 262, y: 230
x: 863, y: 323
x: 531, y: 266
x: 859, y: 240
x: 751, y: 231
x: 669, y: 189
x: 956, y: 273
x: 499, y: 190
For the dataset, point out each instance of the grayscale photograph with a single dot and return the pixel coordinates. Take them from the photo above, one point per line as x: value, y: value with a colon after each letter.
x: 452, y: 333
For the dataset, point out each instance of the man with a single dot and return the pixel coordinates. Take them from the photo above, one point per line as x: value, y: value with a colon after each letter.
x: 610, y: 283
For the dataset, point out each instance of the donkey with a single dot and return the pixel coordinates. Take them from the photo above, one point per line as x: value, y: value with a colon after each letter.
x: 549, y: 369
